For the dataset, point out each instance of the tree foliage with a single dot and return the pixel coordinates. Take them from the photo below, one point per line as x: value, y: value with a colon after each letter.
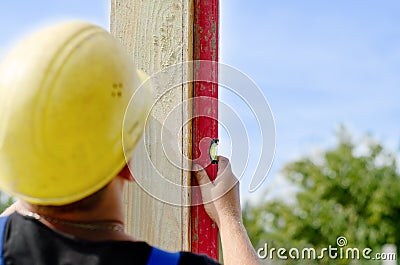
x: 5, y: 201
x: 342, y: 192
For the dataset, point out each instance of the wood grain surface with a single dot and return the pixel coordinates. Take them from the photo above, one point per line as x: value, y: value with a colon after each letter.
x: 158, y: 35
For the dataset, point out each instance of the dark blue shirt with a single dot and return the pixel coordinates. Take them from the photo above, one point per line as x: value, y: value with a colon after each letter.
x: 29, y: 242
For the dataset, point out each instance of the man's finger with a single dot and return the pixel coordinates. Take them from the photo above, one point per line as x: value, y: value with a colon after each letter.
x: 201, y: 175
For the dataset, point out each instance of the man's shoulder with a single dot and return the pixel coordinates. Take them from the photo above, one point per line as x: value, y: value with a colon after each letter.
x: 25, y: 231
x: 195, y: 259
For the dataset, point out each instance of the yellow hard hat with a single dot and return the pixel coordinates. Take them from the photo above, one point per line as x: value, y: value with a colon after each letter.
x: 64, y: 92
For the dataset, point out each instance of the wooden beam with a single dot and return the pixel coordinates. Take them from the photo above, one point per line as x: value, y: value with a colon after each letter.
x: 158, y: 34
x: 205, y: 128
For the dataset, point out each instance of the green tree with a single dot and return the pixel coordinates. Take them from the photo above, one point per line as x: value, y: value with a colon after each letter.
x: 5, y: 201
x: 351, y: 191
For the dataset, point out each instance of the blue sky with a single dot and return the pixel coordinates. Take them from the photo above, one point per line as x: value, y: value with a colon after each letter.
x: 319, y: 64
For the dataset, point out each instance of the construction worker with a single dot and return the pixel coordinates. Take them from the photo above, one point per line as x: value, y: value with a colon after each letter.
x: 64, y: 93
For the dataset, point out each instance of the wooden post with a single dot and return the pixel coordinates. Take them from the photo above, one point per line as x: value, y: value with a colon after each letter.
x: 158, y: 34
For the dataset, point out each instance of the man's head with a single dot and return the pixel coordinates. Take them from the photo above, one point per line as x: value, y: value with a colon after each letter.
x: 64, y: 93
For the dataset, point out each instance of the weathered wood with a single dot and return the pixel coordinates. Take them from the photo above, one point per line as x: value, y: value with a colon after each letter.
x: 158, y: 34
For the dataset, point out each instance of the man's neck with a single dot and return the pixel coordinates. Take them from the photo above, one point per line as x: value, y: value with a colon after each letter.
x: 107, y: 212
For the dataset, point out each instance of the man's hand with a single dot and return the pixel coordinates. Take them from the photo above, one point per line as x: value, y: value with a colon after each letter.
x: 222, y: 203
x: 221, y: 197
